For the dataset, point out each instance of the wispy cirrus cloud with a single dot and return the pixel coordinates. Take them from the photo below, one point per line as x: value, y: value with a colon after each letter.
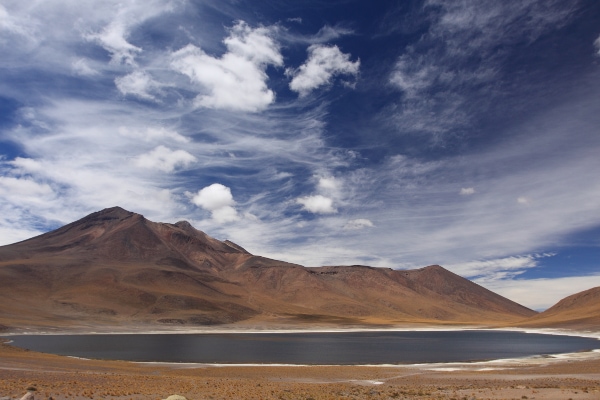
x: 359, y: 223
x: 463, y: 56
x: 326, y: 34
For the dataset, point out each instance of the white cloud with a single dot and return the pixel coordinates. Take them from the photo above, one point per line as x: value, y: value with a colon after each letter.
x: 322, y: 65
x: 113, y: 39
x: 597, y: 45
x: 329, y: 184
x: 329, y: 33
x: 165, y: 159
x: 237, y: 80
x: 467, y: 191
x: 317, y: 204
x: 225, y: 214
x: 118, y: 20
x: 214, y: 197
x: 217, y: 199
x: 495, y: 269
x: 359, y: 223
x: 82, y: 159
x: 152, y: 134
x: 81, y: 67
x: 27, y: 165
x: 12, y: 24
x: 413, y: 77
x: 24, y: 190
x: 522, y: 200
x: 138, y: 83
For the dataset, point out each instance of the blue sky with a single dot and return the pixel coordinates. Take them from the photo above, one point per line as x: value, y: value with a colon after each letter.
x: 392, y: 133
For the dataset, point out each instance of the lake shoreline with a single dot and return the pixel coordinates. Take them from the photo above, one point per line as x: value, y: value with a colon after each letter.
x: 70, y: 378
x: 331, y: 334
x: 303, y: 329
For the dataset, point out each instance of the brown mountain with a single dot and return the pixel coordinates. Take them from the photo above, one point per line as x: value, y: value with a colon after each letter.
x: 578, y: 311
x: 115, y: 267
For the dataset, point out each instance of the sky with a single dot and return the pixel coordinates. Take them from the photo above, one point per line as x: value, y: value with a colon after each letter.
x: 394, y: 134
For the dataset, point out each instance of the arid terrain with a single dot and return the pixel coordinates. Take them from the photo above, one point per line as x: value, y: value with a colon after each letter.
x: 116, y: 271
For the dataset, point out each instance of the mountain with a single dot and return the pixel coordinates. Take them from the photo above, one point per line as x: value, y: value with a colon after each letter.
x: 578, y: 311
x: 115, y: 267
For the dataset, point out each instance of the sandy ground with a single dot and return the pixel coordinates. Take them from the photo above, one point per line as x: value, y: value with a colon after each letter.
x: 575, y: 376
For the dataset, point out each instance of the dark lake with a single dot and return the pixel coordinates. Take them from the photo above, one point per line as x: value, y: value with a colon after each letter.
x: 406, y: 347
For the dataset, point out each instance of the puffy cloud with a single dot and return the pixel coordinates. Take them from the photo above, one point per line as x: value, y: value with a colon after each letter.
x: 359, y: 223
x: 165, y: 159
x: 217, y: 199
x: 317, y: 204
x: 329, y: 190
x: 138, y: 83
x: 322, y: 65
x: 237, y: 80
x: 467, y: 191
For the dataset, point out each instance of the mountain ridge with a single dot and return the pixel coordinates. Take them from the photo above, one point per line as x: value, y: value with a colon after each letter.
x: 116, y: 267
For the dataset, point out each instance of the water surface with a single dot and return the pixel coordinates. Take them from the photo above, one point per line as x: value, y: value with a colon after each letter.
x: 339, y: 348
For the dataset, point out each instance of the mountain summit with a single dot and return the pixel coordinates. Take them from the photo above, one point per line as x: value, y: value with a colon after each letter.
x: 115, y: 267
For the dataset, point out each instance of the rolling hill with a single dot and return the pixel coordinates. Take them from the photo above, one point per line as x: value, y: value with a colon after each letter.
x: 578, y: 311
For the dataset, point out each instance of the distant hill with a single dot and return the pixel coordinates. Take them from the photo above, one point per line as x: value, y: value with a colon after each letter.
x: 116, y: 268
x: 578, y: 311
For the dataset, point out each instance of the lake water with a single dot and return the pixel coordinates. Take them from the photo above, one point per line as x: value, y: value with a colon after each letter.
x: 345, y: 348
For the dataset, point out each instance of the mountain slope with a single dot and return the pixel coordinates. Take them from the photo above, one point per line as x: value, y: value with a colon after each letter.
x: 116, y: 267
x: 580, y: 310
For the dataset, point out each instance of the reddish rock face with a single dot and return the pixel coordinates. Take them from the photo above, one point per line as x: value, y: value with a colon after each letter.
x: 115, y: 267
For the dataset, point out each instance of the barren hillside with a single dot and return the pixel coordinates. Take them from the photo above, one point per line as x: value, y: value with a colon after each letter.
x: 578, y: 311
x: 115, y: 267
